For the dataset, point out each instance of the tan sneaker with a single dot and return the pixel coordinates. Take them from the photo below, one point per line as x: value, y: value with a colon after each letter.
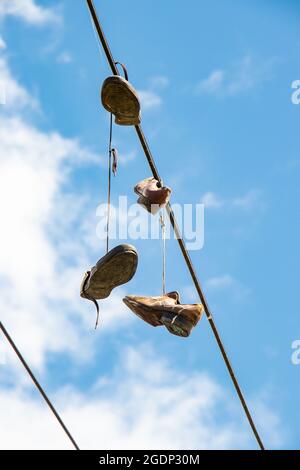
x: 166, y: 310
x: 117, y: 267
x: 151, y: 196
x: 120, y: 98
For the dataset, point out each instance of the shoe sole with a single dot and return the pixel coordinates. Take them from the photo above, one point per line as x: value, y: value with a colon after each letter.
x: 120, y: 98
x: 148, y: 314
x: 176, y: 324
x: 107, y: 275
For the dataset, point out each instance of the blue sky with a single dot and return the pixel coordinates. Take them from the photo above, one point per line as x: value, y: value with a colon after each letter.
x: 215, y: 81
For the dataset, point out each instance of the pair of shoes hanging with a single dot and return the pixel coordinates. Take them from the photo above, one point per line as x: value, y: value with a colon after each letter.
x: 119, y: 265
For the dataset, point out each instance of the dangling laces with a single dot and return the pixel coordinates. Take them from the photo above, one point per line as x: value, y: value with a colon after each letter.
x: 112, y: 163
x: 112, y: 168
x: 124, y: 70
x: 87, y: 275
x: 109, y: 182
x: 163, y: 236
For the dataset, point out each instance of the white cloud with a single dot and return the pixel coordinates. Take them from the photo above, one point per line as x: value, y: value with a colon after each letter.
x: 227, y: 283
x: 211, y: 201
x: 223, y: 284
x: 149, y: 99
x: 274, y: 430
x: 220, y: 282
x: 2, y: 94
x: 126, y: 158
x: 242, y: 76
x: 27, y: 10
x: 42, y: 259
x: 16, y: 96
x: 145, y: 404
x: 2, y: 43
x: 159, y: 81
x: 253, y: 199
x: 65, y: 58
x: 40, y: 285
x: 213, y: 83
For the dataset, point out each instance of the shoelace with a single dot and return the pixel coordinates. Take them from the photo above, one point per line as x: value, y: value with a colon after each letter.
x: 110, y: 151
x: 112, y: 168
x: 163, y: 236
x: 84, y: 294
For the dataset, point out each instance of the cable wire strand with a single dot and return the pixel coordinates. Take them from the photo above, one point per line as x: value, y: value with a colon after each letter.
x: 38, y: 386
x: 180, y: 240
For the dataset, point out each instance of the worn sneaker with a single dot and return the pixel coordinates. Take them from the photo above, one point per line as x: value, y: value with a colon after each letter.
x: 120, y: 98
x: 151, y: 195
x: 166, y: 310
x: 117, y: 267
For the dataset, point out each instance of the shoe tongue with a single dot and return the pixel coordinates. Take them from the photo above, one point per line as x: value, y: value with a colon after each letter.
x: 174, y: 295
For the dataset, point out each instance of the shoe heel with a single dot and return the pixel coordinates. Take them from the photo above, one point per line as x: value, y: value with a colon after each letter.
x: 176, y: 324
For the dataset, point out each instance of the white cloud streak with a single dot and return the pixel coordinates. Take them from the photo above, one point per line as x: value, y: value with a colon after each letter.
x: 159, y: 81
x: 149, y: 99
x: 2, y: 43
x: 65, y: 58
x: 41, y: 259
x: 213, y: 83
x: 16, y: 97
x: 253, y: 199
x: 212, y: 201
x: 145, y: 404
x: 244, y: 75
x: 227, y: 283
x: 29, y: 11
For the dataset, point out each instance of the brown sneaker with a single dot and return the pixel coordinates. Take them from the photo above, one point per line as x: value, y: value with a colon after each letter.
x: 117, y: 267
x: 151, y: 196
x: 120, y: 98
x: 166, y: 310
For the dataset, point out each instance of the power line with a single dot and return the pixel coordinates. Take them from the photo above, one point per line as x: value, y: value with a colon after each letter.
x: 38, y: 386
x: 181, y: 242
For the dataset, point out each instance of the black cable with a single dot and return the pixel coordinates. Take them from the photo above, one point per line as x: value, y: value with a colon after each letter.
x: 38, y: 386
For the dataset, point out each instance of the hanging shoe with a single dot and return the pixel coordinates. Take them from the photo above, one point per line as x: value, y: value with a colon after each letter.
x: 151, y: 196
x: 166, y: 310
x: 117, y: 267
x: 120, y: 98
